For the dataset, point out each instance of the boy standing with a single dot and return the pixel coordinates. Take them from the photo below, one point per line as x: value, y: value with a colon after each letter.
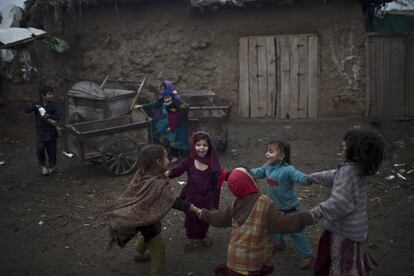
x: 46, y: 134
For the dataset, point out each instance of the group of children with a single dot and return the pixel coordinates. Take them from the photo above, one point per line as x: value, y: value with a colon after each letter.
x: 258, y: 220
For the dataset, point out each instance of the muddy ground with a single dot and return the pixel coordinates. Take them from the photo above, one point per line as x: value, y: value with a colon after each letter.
x: 49, y: 224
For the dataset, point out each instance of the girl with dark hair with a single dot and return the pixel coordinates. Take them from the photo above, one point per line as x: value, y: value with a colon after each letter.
x: 280, y: 177
x: 170, y: 121
x: 147, y: 199
x: 343, y: 245
x: 205, y: 177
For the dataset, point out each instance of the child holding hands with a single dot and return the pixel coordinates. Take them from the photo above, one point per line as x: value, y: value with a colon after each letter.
x: 170, y: 122
x: 147, y: 199
x: 254, y: 219
x: 280, y: 177
x: 205, y: 177
x: 342, y: 246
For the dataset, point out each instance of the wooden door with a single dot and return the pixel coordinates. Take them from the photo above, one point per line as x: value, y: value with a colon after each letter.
x: 386, y: 65
x: 409, y: 76
x: 279, y: 76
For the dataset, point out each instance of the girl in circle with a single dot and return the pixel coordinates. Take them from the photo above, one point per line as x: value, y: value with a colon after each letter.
x: 205, y: 177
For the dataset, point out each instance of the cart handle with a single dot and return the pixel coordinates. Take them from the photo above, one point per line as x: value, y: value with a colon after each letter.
x: 210, y: 107
x: 104, y: 81
x: 136, y: 96
x: 63, y: 127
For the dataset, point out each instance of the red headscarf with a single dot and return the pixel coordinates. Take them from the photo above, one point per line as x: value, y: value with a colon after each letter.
x: 241, y: 183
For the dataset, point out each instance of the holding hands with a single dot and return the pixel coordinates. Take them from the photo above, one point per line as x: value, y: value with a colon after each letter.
x: 196, y: 210
x: 316, y: 217
x: 137, y: 106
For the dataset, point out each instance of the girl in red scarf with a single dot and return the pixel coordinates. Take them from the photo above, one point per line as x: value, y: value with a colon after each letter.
x: 205, y: 178
x: 254, y: 219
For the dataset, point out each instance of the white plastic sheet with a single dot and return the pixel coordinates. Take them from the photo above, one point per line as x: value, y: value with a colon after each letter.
x: 13, y: 36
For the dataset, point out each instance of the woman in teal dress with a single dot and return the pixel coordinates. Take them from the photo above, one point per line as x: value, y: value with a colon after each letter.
x: 170, y: 122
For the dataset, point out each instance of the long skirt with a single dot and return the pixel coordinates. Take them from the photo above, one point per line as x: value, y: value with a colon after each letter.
x: 340, y: 256
x: 177, y: 139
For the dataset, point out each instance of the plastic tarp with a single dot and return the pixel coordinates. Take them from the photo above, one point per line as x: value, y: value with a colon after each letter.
x: 11, y: 16
x: 13, y: 36
x: 88, y: 90
x: 392, y: 23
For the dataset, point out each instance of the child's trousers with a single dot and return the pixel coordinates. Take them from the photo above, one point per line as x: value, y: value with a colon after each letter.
x: 300, y: 242
x: 156, y: 247
x: 50, y: 148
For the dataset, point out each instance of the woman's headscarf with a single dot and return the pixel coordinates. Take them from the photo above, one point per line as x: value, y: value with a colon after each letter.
x: 241, y: 183
x: 166, y: 93
x: 211, y: 158
x: 168, y: 85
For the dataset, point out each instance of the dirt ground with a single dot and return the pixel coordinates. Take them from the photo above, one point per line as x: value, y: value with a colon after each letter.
x: 50, y: 224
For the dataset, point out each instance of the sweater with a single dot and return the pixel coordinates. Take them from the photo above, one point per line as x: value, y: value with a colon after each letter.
x: 345, y: 212
x: 280, y: 179
x: 277, y: 221
x: 251, y: 245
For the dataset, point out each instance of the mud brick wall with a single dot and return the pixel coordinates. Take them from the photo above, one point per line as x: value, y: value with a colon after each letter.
x: 164, y: 40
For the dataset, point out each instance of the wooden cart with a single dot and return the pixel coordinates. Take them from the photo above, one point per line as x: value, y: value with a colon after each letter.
x: 115, y: 142
x: 100, y: 126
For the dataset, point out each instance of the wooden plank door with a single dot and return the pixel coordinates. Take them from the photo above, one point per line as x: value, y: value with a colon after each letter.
x: 284, y: 73
x: 279, y: 76
x: 386, y: 63
x: 299, y: 76
x: 409, y: 76
x: 244, y: 97
x: 257, y: 82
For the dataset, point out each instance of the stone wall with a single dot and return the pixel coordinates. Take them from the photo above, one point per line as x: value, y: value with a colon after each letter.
x: 164, y: 40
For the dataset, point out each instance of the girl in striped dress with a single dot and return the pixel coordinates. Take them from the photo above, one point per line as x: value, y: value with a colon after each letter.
x: 343, y: 245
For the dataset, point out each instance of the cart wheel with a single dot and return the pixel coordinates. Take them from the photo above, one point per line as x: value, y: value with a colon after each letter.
x: 121, y: 157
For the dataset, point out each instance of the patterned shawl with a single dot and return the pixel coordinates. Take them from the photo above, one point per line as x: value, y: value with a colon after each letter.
x: 146, y: 200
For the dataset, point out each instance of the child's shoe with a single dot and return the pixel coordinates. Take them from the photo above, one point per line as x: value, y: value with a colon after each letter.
x: 51, y: 170
x: 143, y: 257
x: 45, y: 171
x: 306, y: 263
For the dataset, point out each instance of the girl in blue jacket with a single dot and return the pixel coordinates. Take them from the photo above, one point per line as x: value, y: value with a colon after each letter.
x: 280, y: 177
